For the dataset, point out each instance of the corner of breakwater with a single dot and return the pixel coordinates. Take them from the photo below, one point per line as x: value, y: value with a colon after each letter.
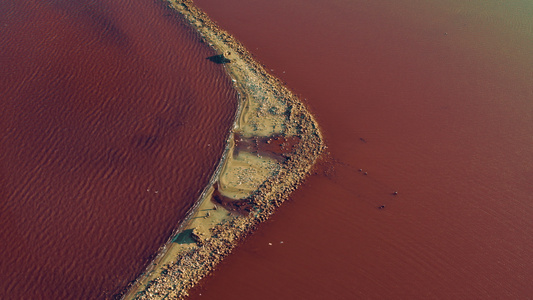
x: 273, y: 144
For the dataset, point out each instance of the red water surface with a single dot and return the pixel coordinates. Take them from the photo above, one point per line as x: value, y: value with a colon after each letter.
x: 112, y: 121
x: 434, y: 100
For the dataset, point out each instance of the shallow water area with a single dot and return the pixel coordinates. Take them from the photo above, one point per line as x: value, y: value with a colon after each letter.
x: 429, y: 99
x: 113, y: 120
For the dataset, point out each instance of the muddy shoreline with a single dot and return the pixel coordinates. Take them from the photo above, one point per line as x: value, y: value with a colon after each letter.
x: 273, y: 145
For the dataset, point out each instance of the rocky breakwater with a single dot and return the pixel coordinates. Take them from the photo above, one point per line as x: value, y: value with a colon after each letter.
x: 273, y: 145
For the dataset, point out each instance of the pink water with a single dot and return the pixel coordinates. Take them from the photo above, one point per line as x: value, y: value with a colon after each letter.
x: 112, y: 122
x: 104, y: 104
x: 432, y: 99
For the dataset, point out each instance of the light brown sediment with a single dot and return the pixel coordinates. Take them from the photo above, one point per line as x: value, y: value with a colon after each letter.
x: 273, y: 144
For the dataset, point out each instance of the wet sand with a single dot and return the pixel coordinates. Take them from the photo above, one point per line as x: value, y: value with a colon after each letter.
x: 273, y: 145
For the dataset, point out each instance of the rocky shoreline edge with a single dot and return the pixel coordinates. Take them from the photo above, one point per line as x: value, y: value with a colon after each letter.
x: 272, y: 147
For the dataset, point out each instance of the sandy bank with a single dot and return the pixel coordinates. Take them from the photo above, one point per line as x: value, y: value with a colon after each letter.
x: 273, y: 145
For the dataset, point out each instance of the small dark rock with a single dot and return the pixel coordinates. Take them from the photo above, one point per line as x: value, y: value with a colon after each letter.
x: 219, y: 59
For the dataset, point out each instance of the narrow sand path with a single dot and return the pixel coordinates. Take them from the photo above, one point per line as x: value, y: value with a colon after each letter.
x: 273, y: 144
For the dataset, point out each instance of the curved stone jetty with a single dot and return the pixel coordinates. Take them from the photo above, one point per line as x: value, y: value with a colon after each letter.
x: 273, y: 145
